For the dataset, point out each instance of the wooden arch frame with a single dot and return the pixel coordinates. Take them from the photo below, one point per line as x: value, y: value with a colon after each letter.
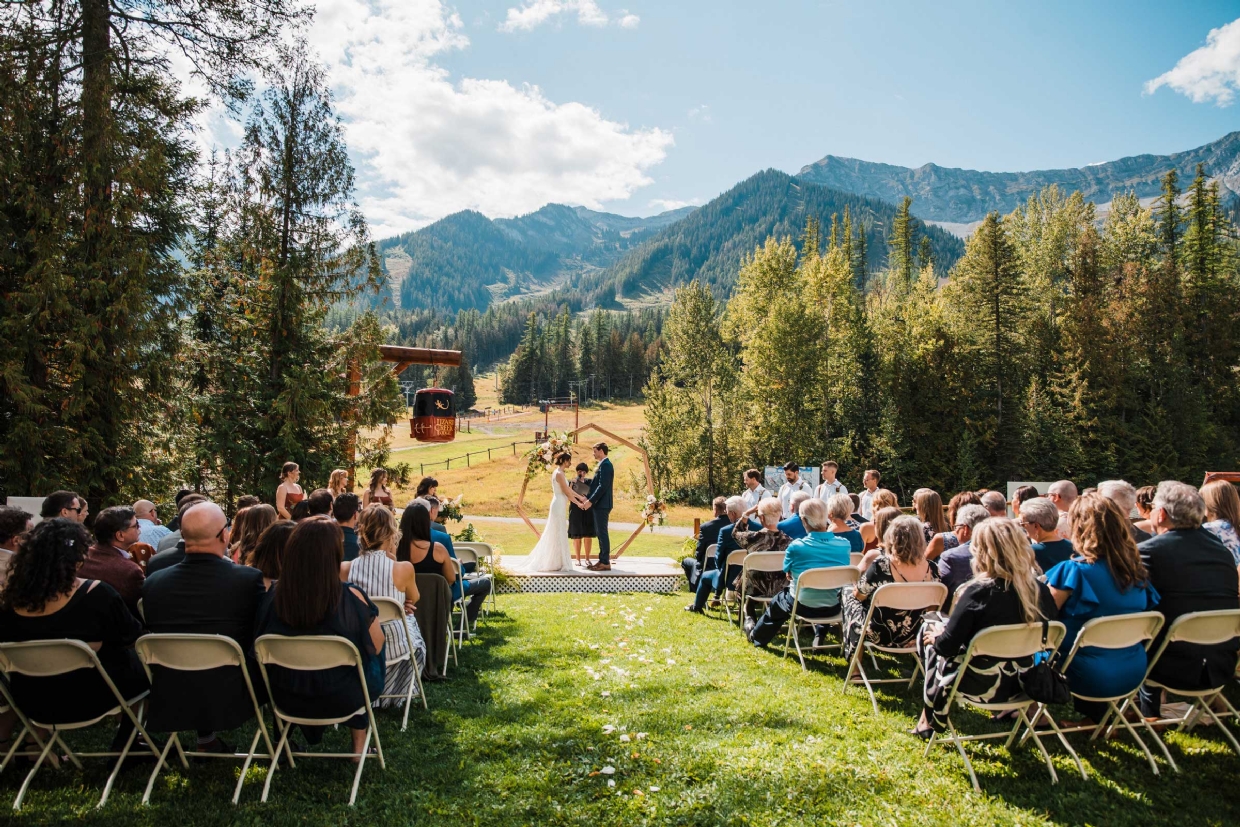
x: 590, y: 426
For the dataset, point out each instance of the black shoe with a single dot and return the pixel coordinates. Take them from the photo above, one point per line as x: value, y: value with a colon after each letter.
x: 923, y: 734
x: 693, y: 609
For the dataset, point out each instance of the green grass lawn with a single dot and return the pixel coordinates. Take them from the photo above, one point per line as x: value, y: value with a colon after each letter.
x: 718, y: 733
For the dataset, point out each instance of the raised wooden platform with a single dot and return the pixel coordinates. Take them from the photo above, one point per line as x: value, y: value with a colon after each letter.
x: 628, y: 574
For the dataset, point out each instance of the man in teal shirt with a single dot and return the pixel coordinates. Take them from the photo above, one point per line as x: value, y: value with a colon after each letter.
x: 819, y: 549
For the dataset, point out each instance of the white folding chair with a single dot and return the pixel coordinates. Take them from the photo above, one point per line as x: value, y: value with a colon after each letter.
x: 826, y: 577
x: 907, y: 597
x: 757, y: 561
x: 485, y: 554
x: 1204, y: 629
x: 391, y: 610
x: 1020, y: 640
x: 50, y: 658
x: 465, y: 555
x: 26, y: 729
x: 711, y: 551
x: 1114, y: 632
x: 315, y: 653
x: 732, y: 593
x: 459, y: 629
x: 195, y: 653
x: 854, y: 558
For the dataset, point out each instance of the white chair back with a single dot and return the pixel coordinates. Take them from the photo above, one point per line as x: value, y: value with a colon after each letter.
x: 1119, y: 631
x: 711, y: 551
x: 46, y: 658
x: 1205, y: 628
x: 1018, y: 640
x: 854, y: 557
x: 466, y: 555
x: 763, y: 561
x: 389, y: 609
x: 909, y: 597
x: 480, y: 550
x: 736, y: 558
x: 188, y: 652
x: 828, y: 577
x: 308, y: 653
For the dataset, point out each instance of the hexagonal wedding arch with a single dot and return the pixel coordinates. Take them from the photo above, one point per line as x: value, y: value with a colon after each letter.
x: 590, y: 426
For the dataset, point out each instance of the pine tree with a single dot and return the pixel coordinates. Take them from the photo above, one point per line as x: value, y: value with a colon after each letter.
x: 460, y: 380
x: 900, y: 256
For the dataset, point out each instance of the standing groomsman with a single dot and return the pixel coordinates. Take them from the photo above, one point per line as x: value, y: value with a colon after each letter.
x: 792, y: 473
x: 755, y: 492
x: 829, y: 486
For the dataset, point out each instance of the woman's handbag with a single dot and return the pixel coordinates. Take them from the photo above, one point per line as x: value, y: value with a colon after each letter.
x: 1042, y: 682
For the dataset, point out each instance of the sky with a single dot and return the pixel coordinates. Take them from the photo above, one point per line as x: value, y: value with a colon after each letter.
x: 637, y: 106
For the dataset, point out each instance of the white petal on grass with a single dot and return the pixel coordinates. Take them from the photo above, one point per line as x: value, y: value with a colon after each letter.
x: 608, y: 770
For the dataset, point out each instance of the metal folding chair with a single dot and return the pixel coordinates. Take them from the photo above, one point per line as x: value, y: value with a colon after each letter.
x: 195, y: 653
x: 757, y: 561
x: 732, y: 594
x: 315, y: 653
x: 485, y: 554
x: 49, y: 658
x: 459, y: 629
x: 826, y: 577
x: 1115, y: 632
x: 1020, y: 640
x: 465, y: 555
x: 854, y: 558
x: 908, y: 597
x: 1205, y: 629
x: 26, y: 729
x: 391, y: 610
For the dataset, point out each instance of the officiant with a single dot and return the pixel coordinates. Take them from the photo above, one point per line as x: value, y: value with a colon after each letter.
x: 580, y: 521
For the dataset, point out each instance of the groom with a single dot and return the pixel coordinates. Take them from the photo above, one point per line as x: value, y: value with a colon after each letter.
x: 600, y: 504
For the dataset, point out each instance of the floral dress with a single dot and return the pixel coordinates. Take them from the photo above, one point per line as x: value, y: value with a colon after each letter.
x: 888, y: 627
x: 1226, y: 532
x: 763, y: 583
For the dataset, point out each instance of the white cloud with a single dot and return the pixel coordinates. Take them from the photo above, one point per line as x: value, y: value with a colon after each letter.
x: 1211, y: 72
x: 426, y: 144
x: 665, y: 204
x: 699, y: 113
x: 536, y: 12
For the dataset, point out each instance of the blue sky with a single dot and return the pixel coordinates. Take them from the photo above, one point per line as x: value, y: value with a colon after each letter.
x: 633, y: 106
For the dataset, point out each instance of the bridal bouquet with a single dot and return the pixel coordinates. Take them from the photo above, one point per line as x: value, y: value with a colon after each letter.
x: 450, y: 510
x: 541, y: 456
x: 655, y: 512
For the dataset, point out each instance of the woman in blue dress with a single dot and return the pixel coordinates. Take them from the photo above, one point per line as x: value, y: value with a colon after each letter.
x: 1105, y: 578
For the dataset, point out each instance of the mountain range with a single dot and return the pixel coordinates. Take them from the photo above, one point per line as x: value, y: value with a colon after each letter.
x: 467, y: 260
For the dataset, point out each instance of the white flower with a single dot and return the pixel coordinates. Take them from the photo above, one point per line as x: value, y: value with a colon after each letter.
x: 608, y: 770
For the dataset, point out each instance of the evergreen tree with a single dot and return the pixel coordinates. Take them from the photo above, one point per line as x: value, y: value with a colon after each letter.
x: 900, y: 256
x: 460, y: 380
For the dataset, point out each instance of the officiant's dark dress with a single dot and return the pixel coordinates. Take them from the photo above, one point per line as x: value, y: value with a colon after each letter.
x: 580, y: 521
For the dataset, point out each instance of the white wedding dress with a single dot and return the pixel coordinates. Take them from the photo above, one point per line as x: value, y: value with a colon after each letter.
x: 553, y: 552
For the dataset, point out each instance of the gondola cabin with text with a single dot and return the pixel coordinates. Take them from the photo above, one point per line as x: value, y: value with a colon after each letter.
x: 434, y: 415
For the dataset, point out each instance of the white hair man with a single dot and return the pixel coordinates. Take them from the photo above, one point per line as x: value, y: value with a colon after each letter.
x: 1040, y: 519
x: 792, y: 525
x: 1063, y: 493
x: 956, y: 564
x: 716, y: 579
x: 1193, y: 572
x: 1124, y: 495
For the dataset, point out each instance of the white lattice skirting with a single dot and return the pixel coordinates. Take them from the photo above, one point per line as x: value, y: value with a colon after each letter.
x: 593, y: 583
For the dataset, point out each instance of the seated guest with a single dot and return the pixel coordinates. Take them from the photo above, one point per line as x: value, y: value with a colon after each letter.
x: 1004, y: 591
x: 766, y: 538
x: 945, y: 542
x: 204, y: 594
x: 417, y: 547
x: 376, y: 570
x: 1193, y: 572
x: 269, y: 553
x: 855, y: 519
x: 1040, y: 519
x: 427, y: 487
x: 14, y: 525
x: 44, y: 599
x: 320, y: 501
x: 174, y: 524
x: 116, y: 529
x: 1063, y: 493
x: 716, y: 580
x: 247, y: 501
x: 149, y: 529
x: 1125, y: 498
x: 1223, y: 514
x: 1145, y: 504
x: 882, y: 519
x: 929, y: 508
x: 64, y: 504
x: 258, y: 518
x: 792, y: 525
x: 169, y: 542
x: 300, y: 511
x: 708, y: 535
x: 476, y: 586
x: 236, y: 530
x: 818, y: 549
x: 839, y: 507
x: 345, y: 511
x: 882, y: 498
x: 904, y: 562
x: 1105, y: 579
x: 994, y: 503
x: 956, y: 565
x: 1022, y: 495
x: 309, y: 599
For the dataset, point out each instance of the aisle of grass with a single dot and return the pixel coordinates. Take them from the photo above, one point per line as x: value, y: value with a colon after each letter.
x: 707, y: 731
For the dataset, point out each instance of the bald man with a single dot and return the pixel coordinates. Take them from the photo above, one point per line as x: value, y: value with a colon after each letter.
x: 206, y: 594
x: 1063, y: 493
x: 150, y: 530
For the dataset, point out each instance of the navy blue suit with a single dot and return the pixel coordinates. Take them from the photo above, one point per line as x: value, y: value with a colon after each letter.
x: 600, y: 505
x: 715, y: 580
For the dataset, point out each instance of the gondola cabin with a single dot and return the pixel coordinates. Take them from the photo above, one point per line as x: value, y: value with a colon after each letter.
x: 434, y: 415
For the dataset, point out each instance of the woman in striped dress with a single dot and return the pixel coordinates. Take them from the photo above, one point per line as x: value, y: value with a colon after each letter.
x: 377, y: 571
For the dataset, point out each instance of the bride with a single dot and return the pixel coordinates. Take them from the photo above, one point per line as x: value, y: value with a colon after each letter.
x: 554, y: 552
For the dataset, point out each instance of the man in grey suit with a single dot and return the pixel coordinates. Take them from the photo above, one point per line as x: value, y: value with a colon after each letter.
x: 600, y: 504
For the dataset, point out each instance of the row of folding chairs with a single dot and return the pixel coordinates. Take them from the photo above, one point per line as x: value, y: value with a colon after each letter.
x: 482, y: 556
x: 195, y: 653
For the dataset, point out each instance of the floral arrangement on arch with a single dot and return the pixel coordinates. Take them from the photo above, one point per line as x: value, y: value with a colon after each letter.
x: 655, y: 512
x: 450, y: 510
x: 542, y: 456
